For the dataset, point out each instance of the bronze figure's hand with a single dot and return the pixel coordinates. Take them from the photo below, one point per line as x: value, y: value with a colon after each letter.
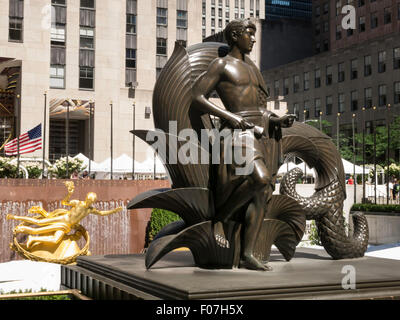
x: 287, y: 120
x: 240, y: 123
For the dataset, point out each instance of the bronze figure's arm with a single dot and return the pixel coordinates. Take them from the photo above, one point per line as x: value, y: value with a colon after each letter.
x: 204, y: 85
x: 105, y: 213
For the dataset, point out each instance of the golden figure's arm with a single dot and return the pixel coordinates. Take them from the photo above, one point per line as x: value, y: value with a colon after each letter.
x: 66, y: 201
x: 105, y: 213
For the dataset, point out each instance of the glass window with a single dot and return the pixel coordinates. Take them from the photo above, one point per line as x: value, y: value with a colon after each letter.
x: 130, y: 58
x: 317, y: 78
x: 361, y: 25
x: 329, y: 104
x: 341, y: 74
x: 15, y: 29
x: 131, y: 23
x: 296, y: 83
x: 276, y: 88
x: 286, y: 86
x: 87, y: 4
x: 397, y: 92
x: 306, y: 81
x: 317, y: 107
x: 396, y: 58
x: 161, y: 46
x: 181, y: 19
x: 341, y: 103
x: 387, y: 18
x: 368, y: 98
x: 86, y: 38
x: 57, y: 76
x: 382, y: 61
x: 382, y: 95
x: 354, y: 72
x: 367, y: 66
x: 354, y: 100
x: 329, y: 75
x: 374, y: 20
x: 86, y: 78
x: 162, y: 16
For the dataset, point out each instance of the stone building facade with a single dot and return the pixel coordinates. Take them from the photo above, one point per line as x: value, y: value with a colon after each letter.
x: 87, y: 55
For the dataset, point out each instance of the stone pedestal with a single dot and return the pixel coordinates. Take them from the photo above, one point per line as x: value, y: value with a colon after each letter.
x: 311, y: 274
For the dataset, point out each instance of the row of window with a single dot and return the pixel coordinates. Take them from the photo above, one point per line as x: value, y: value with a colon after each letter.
x: 355, y: 99
x: 341, y: 73
x: 86, y: 44
x: 219, y: 22
x: 373, y: 22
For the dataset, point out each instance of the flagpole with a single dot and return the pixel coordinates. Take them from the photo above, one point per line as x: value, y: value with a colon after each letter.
x: 111, y: 146
x: 44, y: 132
x: 18, y: 132
x: 90, y: 134
x: 67, y: 141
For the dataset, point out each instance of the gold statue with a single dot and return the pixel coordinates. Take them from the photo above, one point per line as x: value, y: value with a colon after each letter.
x: 51, y: 241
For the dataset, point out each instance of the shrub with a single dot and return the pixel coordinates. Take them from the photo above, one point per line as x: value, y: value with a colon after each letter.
x: 7, y: 170
x: 158, y: 220
x: 314, y: 237
x: 369, y: 207
x: 59, y: 168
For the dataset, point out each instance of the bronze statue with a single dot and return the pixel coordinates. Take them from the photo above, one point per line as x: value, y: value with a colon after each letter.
x: 241, y: 88
x: 50, y: 241
x: 232, y: 220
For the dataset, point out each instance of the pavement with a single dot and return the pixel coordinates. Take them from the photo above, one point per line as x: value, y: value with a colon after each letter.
x: 29, y: 275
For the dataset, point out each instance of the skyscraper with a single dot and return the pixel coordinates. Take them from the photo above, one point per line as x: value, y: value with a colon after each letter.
x: 299, y: 9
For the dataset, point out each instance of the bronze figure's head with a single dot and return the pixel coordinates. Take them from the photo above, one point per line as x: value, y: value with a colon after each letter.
x: 236, y: 34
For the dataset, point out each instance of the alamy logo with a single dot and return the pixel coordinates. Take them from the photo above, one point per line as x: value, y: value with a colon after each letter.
x: 349, y: 280
x: 349, y: 20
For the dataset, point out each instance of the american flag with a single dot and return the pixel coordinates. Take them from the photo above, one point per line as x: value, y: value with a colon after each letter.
x: 28, y: 142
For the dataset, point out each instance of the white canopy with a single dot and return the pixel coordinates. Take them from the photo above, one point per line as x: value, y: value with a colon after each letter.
x: 348, y: 168
x: 123, y: 164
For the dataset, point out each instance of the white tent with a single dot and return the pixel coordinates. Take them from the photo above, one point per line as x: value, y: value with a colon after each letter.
x: 348, y: 168
x: 94, y: 166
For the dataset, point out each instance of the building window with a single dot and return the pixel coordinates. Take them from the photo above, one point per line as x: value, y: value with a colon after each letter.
x: 276, y: 88
x: 329, y: 75
x: 367, y: 66
x: 396, y: 58
x: 341, y: 103
x: 162, y: 46
x: 338, y: 32
x: 387, y: 17
x: 306, y: 81
x: 181, y: 19
x: 338, y: 7
x: 329, y: 104
x: 382, y: 95
x: 296, y: 110
x: 57, y: 35
x: 368, y: 98
x: 286, y: 87
x: 87, y: 4
x: 57, y: 76
x: 354, y: 72
x: 306, y: 110
x: 86, y: 78
x: 361, y: 25
x: 296, y: 83
x: 62, y: 2
x: 317, y: 107
x: 361, y: 3
x: 131, y: 23
x: 382, y: 61
x: 317, y: 78
x: 374, y: 20
x: 16, y: 17
x: 341, y: 74
x: 162, y: 16
x: 86, y: 38
x: 397, y: 92
x: 354, y: 100
x: 130, y: 58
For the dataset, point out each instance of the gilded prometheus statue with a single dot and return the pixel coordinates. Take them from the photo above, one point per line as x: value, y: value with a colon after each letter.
x: 50, y: 241
x: 231, y: 220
